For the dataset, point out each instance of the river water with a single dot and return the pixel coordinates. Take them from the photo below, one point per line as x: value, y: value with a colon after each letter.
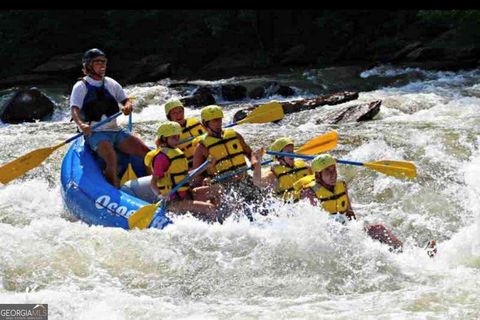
x: 293, y: 264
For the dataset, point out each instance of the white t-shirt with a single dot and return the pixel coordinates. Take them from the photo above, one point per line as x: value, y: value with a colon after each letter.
x: 79, y: 92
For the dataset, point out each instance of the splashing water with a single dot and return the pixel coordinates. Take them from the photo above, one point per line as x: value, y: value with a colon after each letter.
x: 292, y: 263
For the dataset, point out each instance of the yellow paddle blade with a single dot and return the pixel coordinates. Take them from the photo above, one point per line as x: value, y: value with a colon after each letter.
x: 128, y: 175
x: 394, y: 168
x: 142, y: 217
x: 322, y: 143
x: 268, y: 112
x: 20, y: 166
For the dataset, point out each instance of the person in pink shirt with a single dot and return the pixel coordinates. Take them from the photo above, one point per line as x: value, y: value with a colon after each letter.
x: 169, y: 167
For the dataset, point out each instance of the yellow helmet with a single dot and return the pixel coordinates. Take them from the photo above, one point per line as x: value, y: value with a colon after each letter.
x: 280, y: 143
x: 168, y: 129
x: 211, y: 112
x: 321, y: 162
x: 172, y: 104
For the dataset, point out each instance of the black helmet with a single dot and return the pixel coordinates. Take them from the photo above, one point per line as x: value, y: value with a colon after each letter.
x: 89, y: 55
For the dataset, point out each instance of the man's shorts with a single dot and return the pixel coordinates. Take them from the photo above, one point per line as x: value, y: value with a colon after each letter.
x: 115, y: 138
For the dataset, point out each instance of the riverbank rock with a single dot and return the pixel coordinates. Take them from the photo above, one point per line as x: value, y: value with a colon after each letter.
x: 203, y: 96
x: 25, y: 80
x: 354, y: 113
x: 297, y: 55
x: 228, y: 64
x: 305, y: 104
x: 27, y: 106
x: 63, y: 65
x: 148, y: 69
x: 447, y: 51
x: 271, y: 88
x: 232, y: 92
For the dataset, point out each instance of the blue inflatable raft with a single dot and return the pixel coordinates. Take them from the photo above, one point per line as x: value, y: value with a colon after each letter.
x: 88, y: 195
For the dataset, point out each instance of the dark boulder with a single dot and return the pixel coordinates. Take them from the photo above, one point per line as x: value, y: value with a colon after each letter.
x: 312, y: 103
x: 405, y: 51
x: 285, y: 91
x: 63, y: 65
x: 257, y: 93
x: 25, y: 80
x: 270, y: 89
x: 297, y: 55
x: 148, y: 69
x: 228, y: 64
x: 354, y: 113
x: 203, y: 96
x: 27, y: 106
x: 232, y: 92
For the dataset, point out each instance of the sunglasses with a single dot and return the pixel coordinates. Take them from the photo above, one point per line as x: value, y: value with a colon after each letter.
x: 100, y: 61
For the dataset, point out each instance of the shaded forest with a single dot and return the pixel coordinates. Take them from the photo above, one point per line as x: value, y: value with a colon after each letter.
x: 190, y: 41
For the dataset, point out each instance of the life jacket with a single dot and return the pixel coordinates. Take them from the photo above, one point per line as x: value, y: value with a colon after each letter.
x: 193, y: 128
x: 333, y: 202
x: 97, y: 102
x: 176, y: 172
x: 227, y: 150
x: 287, y: 176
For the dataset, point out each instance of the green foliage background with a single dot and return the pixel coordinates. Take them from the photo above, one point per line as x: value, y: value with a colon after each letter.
x: 193, y: 38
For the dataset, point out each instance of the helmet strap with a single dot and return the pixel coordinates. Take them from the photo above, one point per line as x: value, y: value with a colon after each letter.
x: 215, y: 133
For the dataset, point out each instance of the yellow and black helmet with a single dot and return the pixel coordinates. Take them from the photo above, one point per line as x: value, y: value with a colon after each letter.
x: 281, y: 143
x: 322, y: 161
x: 168, y: 129
x: 172, y: 104
x: 211, y: 112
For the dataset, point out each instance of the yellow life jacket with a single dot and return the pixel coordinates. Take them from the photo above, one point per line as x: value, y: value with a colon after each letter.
x: 287, y: 176
x: 333, y: 202
x: 176, y: 172
x: 227, y: 150
x: 193, y: 128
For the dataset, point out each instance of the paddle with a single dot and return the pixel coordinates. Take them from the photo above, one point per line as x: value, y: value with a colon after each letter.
x: 269, y: 112
x: 144, y: 216
x: 319, y: 144
x: 394, y: 168
x: 20, y: 166
x: 129, y: 173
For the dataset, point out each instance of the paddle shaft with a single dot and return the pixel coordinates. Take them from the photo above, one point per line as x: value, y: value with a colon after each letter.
x: 307, y: 145
x: 189, y: 177
x: 238, y: 171
x: 96, y: 125
x: 178, y: 186
x: 301, y: 156
x: 231, y: 125
x: 146, y: 215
